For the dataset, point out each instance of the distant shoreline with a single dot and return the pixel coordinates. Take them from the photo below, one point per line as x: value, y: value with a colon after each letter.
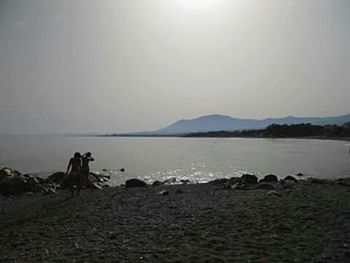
x: 274, y: 131
x: 278, y: 138
x: 224, y: 137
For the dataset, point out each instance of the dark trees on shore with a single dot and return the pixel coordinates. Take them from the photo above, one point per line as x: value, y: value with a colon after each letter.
x: 284, y: 131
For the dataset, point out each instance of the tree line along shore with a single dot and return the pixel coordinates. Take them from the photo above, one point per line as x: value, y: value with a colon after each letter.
x: 304, y: 130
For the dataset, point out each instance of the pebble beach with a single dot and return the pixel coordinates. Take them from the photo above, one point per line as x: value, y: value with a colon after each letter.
x: 306, y: 222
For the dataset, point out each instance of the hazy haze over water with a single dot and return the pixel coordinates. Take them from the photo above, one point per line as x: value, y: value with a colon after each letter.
x: 88, y: 65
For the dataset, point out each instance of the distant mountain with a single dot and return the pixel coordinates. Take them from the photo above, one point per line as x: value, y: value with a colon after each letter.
x: 218, y: 122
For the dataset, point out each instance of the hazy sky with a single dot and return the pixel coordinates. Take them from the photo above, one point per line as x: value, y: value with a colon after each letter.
x: 109, y: 65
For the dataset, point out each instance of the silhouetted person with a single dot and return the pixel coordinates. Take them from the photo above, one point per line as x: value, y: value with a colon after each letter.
x: 75, y: 172
x: 85, y: 168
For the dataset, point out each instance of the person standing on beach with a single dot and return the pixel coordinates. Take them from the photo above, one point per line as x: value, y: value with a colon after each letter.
x: 85, y: 169
x: 74, y: 176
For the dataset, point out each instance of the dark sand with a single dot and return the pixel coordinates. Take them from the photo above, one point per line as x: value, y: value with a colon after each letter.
x: 309, y: 223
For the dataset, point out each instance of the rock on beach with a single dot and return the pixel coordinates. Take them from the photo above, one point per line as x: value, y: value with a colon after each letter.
x: 270, y: 178
x: 13, y: 182
x: 135, y: 183
x: 249, y: 179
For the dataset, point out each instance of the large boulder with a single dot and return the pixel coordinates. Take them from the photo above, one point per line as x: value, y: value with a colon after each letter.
x: 13, y: 182
x: 134, y: 183
x: 13, y: 185
x: 8, y: 172
x: 290, y: 179
x: 249, y: 179
x: 57, y: 177
x: 270, y: 178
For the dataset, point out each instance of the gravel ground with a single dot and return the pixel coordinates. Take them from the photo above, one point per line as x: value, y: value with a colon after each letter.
x: 193, y: 223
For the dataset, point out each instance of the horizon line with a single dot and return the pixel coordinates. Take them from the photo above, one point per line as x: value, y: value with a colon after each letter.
x: 94, y: 133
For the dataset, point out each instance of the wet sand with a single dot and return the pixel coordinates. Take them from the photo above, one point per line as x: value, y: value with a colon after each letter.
x: 204, y: 223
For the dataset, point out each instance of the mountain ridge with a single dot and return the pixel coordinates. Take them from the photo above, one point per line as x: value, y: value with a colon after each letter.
x: 221, y: 122
x: 217, y: 122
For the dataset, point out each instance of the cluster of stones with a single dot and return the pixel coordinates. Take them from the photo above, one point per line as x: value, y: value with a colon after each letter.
x: 271, y: 182
x: 135, y: 182
x: 246, y: 182
x: 249, y: 181
x: 13, y: 182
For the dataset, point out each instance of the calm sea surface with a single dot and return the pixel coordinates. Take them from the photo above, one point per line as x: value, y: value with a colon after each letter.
x: 184, y: 158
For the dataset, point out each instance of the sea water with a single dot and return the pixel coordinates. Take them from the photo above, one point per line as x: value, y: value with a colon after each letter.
x: 194, y: 159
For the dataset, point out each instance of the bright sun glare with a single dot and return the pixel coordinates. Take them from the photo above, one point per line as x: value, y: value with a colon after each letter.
x: 198, y: 4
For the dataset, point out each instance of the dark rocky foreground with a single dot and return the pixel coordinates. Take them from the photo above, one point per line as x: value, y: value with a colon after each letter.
x: 223, y: 221
x: 13, y: 182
